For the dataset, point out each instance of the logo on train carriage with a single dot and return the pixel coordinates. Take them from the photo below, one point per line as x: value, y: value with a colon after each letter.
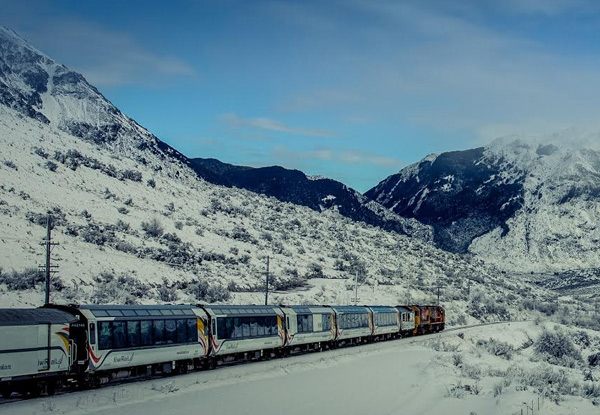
x: 215, y: 345
x: 202, y: 335
x: 57, y: 361
x: 5, y: 367
x: 94, y: 359
x: 123, y: 358
x: 63, y: 333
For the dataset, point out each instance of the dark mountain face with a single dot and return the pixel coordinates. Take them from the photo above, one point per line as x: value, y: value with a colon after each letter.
x: 459, y: 193
x: 295, y: 187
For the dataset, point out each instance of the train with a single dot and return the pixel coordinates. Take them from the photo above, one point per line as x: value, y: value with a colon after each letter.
x: 57, y: 347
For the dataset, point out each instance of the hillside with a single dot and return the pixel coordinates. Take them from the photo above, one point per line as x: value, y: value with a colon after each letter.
x: 317, y: 193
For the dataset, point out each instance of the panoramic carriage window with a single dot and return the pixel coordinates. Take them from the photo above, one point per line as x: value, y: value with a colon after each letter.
x: 305, y: 323
x: 246, y: 327
x: 192, y: 331
x: 119, y: 336
x: 326, y: 322
x: 104, y: 335
x: 181, y: 331
x: 171, y: 331
x: 133, y: 334
x: 158, y: 331
x: 146, y: 331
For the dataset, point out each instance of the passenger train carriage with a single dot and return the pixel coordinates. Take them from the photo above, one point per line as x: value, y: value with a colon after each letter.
x: 88, y: 345
x: 34, y: 346
x: 243, y: 329
x: 309, y: 325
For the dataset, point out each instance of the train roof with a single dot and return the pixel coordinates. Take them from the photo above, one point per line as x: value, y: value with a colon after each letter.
x: 139, y: 310
x: 382, y: 308
x: 229, y: 309
x: 349, y: 308
x: 34, y: 316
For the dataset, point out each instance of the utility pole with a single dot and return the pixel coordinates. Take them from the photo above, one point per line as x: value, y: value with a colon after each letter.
x: 356, y: 289
x: 48, y: 269
x: 267, y: 283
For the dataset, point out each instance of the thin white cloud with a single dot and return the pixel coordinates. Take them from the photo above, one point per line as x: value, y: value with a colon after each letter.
x: 268, y: 124
x: 287, y: 154
x: 343, y: 156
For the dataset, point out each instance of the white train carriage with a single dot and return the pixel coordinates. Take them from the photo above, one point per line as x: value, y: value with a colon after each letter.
x: 386, y: 322
x: 407, y: 321
x: 354, y: 324
x: 309, y: 327
x: 140, y: 339
x: 247, y: 331
x: 35, y: 350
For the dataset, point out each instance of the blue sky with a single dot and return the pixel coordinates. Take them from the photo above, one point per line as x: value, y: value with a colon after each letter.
x: 349, y: 89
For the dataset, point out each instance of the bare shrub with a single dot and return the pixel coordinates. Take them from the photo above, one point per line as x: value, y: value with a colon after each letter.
x: 153, y: 228
x: 497, y: 348
x: 557, y: 348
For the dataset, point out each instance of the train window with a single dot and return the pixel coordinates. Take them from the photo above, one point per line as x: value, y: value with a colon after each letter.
x: 171, y: 331
x: 133, y: 333
x: 92, y: 333
x: 245, y: 327
x: 146, y: 332
x: 253, y: 327
x: 166, y: 312
x: 222, y: 328
x: 237, y: 328
x: 104, y: 335
x: 154, y: 312
x: 181, y: 331
x: 115, y: 313
x: 178, y: 312
x: 192, y: 331
x: 129, y: 313
x: 326, y: 322
x: 158, y: 331
x: 119, y: 337
x: 142, y: 312
x: 260, y: 323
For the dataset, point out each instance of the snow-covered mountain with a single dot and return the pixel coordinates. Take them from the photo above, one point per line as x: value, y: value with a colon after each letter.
x: 37, y: 86
x: 527, y: 204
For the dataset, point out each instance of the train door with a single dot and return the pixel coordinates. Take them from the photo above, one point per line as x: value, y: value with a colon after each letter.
x: 78, y: 344
x: 44, y: 345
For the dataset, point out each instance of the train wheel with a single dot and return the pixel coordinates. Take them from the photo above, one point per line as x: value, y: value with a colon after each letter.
x: 6, y: 394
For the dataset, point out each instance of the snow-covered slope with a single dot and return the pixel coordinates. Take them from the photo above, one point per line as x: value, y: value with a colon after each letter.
x: 527, y: 204
x: 37, y: 86
x: 214, y: 241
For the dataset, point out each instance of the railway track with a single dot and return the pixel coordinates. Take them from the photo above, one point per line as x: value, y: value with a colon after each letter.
x: 125, y: 381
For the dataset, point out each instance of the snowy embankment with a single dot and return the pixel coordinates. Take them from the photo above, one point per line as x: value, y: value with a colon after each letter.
x: 417, y: 375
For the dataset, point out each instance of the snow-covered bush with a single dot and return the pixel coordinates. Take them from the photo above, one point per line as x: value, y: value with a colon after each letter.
x: 40, y: 152
x: 203, y: 291
x: 497, y: 348
x: 10, y: 164
x: 153, y: 228
x: 557, y: 348
x: 167, y: 292
x: 50, y: 165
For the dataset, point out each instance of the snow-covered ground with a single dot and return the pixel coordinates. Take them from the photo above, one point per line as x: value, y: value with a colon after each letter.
x: 416, y: 375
